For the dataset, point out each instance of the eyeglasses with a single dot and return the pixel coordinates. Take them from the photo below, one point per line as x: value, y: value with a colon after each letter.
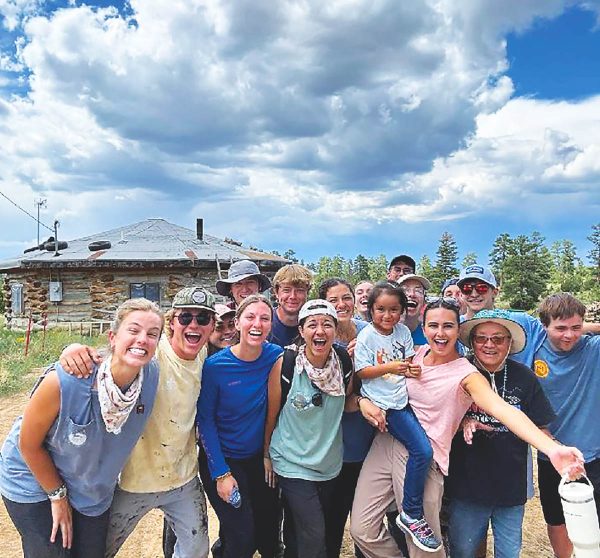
x: 402, y: 270
x: 414, y: 290
x: 495, y: 339
x: 480, y: 288
x: 202, y: 318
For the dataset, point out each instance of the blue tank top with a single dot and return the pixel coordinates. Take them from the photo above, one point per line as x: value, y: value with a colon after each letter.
x: 87, y: 457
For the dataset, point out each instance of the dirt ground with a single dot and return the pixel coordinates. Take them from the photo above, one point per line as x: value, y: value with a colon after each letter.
x: 146, y: 539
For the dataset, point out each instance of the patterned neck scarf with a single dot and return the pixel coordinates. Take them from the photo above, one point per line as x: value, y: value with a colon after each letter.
x: 115, y: 405
x: 327, y: 379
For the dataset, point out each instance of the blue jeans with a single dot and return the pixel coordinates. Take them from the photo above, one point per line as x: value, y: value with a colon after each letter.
x: 34, y: 524
x: 469, y: 523
x: 404, y: 426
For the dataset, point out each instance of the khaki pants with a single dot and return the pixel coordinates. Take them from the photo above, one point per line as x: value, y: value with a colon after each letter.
x: 381, y: 483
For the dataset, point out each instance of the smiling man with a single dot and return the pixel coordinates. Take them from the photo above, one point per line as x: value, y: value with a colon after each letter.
x: 291, y: 285
x: 567, y: 368
x: 415, y: 288
x: 162, y: 470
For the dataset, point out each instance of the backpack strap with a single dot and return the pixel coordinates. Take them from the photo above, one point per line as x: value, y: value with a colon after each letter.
x: 347, y: 365
x: 287, y: 374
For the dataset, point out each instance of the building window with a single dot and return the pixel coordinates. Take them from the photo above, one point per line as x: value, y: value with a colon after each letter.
x: 151, y: 291
x: 16, y: 299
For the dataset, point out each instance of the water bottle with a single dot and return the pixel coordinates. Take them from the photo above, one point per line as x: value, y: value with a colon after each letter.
x: 581, y: 518
x: 235, y: 499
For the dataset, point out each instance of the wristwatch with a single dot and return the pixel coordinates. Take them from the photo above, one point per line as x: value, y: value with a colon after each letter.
x: 58, y: 493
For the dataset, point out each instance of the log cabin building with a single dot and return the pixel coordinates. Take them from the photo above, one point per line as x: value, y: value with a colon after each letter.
x: 82, y: 281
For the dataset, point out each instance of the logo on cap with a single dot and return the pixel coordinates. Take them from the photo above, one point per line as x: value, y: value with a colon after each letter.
x: 199, y: 297
x: 474, y: 269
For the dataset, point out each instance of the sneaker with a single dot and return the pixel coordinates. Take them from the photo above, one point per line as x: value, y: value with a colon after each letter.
x: 420, y: 532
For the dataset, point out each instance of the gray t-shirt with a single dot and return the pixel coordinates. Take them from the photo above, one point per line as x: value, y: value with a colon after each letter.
x: 372, y: 349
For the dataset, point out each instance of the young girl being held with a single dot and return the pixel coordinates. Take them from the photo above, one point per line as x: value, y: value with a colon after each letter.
x: 383, y: 360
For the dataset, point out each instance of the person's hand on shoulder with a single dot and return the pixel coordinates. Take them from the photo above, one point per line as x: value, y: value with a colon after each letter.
x: 79, y: 360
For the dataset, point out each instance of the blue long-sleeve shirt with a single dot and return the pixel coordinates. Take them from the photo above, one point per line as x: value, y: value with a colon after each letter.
x: 233, y: 406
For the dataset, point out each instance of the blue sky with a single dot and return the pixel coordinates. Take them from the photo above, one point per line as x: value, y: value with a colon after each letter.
x: 347, y: 127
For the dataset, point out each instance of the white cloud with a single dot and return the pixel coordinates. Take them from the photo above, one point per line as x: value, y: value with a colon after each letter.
x: 334, y: 115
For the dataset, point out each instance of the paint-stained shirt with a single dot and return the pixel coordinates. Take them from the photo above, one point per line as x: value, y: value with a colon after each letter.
x: 165, y: 456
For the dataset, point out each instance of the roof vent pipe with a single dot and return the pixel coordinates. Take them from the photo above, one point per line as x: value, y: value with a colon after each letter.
x: 200, y: 229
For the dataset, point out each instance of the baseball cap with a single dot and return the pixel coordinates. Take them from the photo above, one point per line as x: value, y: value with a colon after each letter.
x: 221, y: 310
x: 194, y: 297
x: 424, y: 282
x: 317, y: 306
x: 477, y: 272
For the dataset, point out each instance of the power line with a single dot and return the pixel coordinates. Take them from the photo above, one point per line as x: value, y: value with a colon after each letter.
x: 26, y: 212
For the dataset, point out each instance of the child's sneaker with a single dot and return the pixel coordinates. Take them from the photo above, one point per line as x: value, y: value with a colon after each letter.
x: 419, y: 531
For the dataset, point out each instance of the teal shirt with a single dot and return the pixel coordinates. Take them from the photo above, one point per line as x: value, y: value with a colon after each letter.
x: 307, y: 440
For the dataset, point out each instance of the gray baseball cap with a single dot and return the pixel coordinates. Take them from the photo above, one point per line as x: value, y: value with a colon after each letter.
x: 194, y: 297
x: 476, y: 271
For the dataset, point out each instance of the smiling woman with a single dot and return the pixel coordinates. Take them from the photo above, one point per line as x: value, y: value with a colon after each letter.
x: 56, y: 485
x: 303, y: 436
x: 231, y: 421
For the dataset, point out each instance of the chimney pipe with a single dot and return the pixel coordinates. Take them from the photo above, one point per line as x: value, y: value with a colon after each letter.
x: 200, y: 229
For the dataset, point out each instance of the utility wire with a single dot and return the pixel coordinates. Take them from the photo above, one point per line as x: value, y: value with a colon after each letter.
x: 26, y: 212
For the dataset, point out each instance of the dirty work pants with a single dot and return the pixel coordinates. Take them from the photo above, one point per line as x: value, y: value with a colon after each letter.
x: 184, y: 509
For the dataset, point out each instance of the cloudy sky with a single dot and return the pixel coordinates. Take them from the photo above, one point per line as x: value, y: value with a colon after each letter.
x: 346, y: 126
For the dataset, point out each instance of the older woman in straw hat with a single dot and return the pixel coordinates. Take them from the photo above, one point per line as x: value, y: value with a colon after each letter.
x: 487, y: 480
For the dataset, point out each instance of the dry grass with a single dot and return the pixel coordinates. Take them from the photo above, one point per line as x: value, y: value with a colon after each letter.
x: 146, y: 539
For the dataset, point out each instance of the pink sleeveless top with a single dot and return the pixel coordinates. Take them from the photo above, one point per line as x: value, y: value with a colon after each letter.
x: 440, y: 402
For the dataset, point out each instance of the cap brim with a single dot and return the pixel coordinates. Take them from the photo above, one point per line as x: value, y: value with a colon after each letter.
x: 195, y: 307
x: 223, y: 286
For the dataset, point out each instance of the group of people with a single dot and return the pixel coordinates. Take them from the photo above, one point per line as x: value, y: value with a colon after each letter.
x: 364, y: 402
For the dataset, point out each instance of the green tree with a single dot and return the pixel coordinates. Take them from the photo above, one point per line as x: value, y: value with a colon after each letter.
x: 526, y: 271
x: 425, y: 267
x: 290, y: 254
x: 378, y: 266
x: 501, y: 249
x: 360, y: 269
x: 594, y: 253
x: 469, y: 259
x: 445, y: 261
x: 564, y: 275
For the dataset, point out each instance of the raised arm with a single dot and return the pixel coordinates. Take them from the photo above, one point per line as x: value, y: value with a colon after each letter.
x: 566, y: 460
x: 39, y: 415
x: 273, y: 408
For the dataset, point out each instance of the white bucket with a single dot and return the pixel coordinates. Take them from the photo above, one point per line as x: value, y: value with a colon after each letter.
x: 581, y: 517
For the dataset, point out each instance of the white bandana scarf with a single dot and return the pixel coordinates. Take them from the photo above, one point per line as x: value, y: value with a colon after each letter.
x: 327, y: 379
x: 115, y: 405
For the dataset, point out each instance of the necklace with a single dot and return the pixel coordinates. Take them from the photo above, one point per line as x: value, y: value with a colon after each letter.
x: 493, y: 382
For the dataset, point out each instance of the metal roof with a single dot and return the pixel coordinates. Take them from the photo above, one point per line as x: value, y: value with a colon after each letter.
x: 152, y: 241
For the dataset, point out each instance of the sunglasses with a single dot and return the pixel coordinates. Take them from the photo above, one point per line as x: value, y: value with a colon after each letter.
x: 495, y: 339
x: 317, y: 398
x: 480, y: 288
x: 202, y: 318
x: 447, y: 299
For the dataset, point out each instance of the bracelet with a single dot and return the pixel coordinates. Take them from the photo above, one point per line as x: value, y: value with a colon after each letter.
x: 223, y: 476
x: 359, y: 399
x: 58, y: 493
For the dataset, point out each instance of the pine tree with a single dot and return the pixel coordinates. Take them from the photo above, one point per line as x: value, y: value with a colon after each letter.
x: 526, y: 271
x: 360, y: 269
x: 469, y: 259
x: 594, y: 253
x: 378, y: 268
x: 425, y: 267
x: 445, y: 261
x: 502, y: 248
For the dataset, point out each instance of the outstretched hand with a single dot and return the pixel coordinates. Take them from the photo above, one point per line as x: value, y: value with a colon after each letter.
x: 567, y: 461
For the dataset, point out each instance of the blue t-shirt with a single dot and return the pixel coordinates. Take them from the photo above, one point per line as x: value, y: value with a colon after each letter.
x: 536, y: 334
x: 281, y: 334
x: 233, y: 406
x: 571, y: 383
x: 418, y: 336
x: 373, y: 349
